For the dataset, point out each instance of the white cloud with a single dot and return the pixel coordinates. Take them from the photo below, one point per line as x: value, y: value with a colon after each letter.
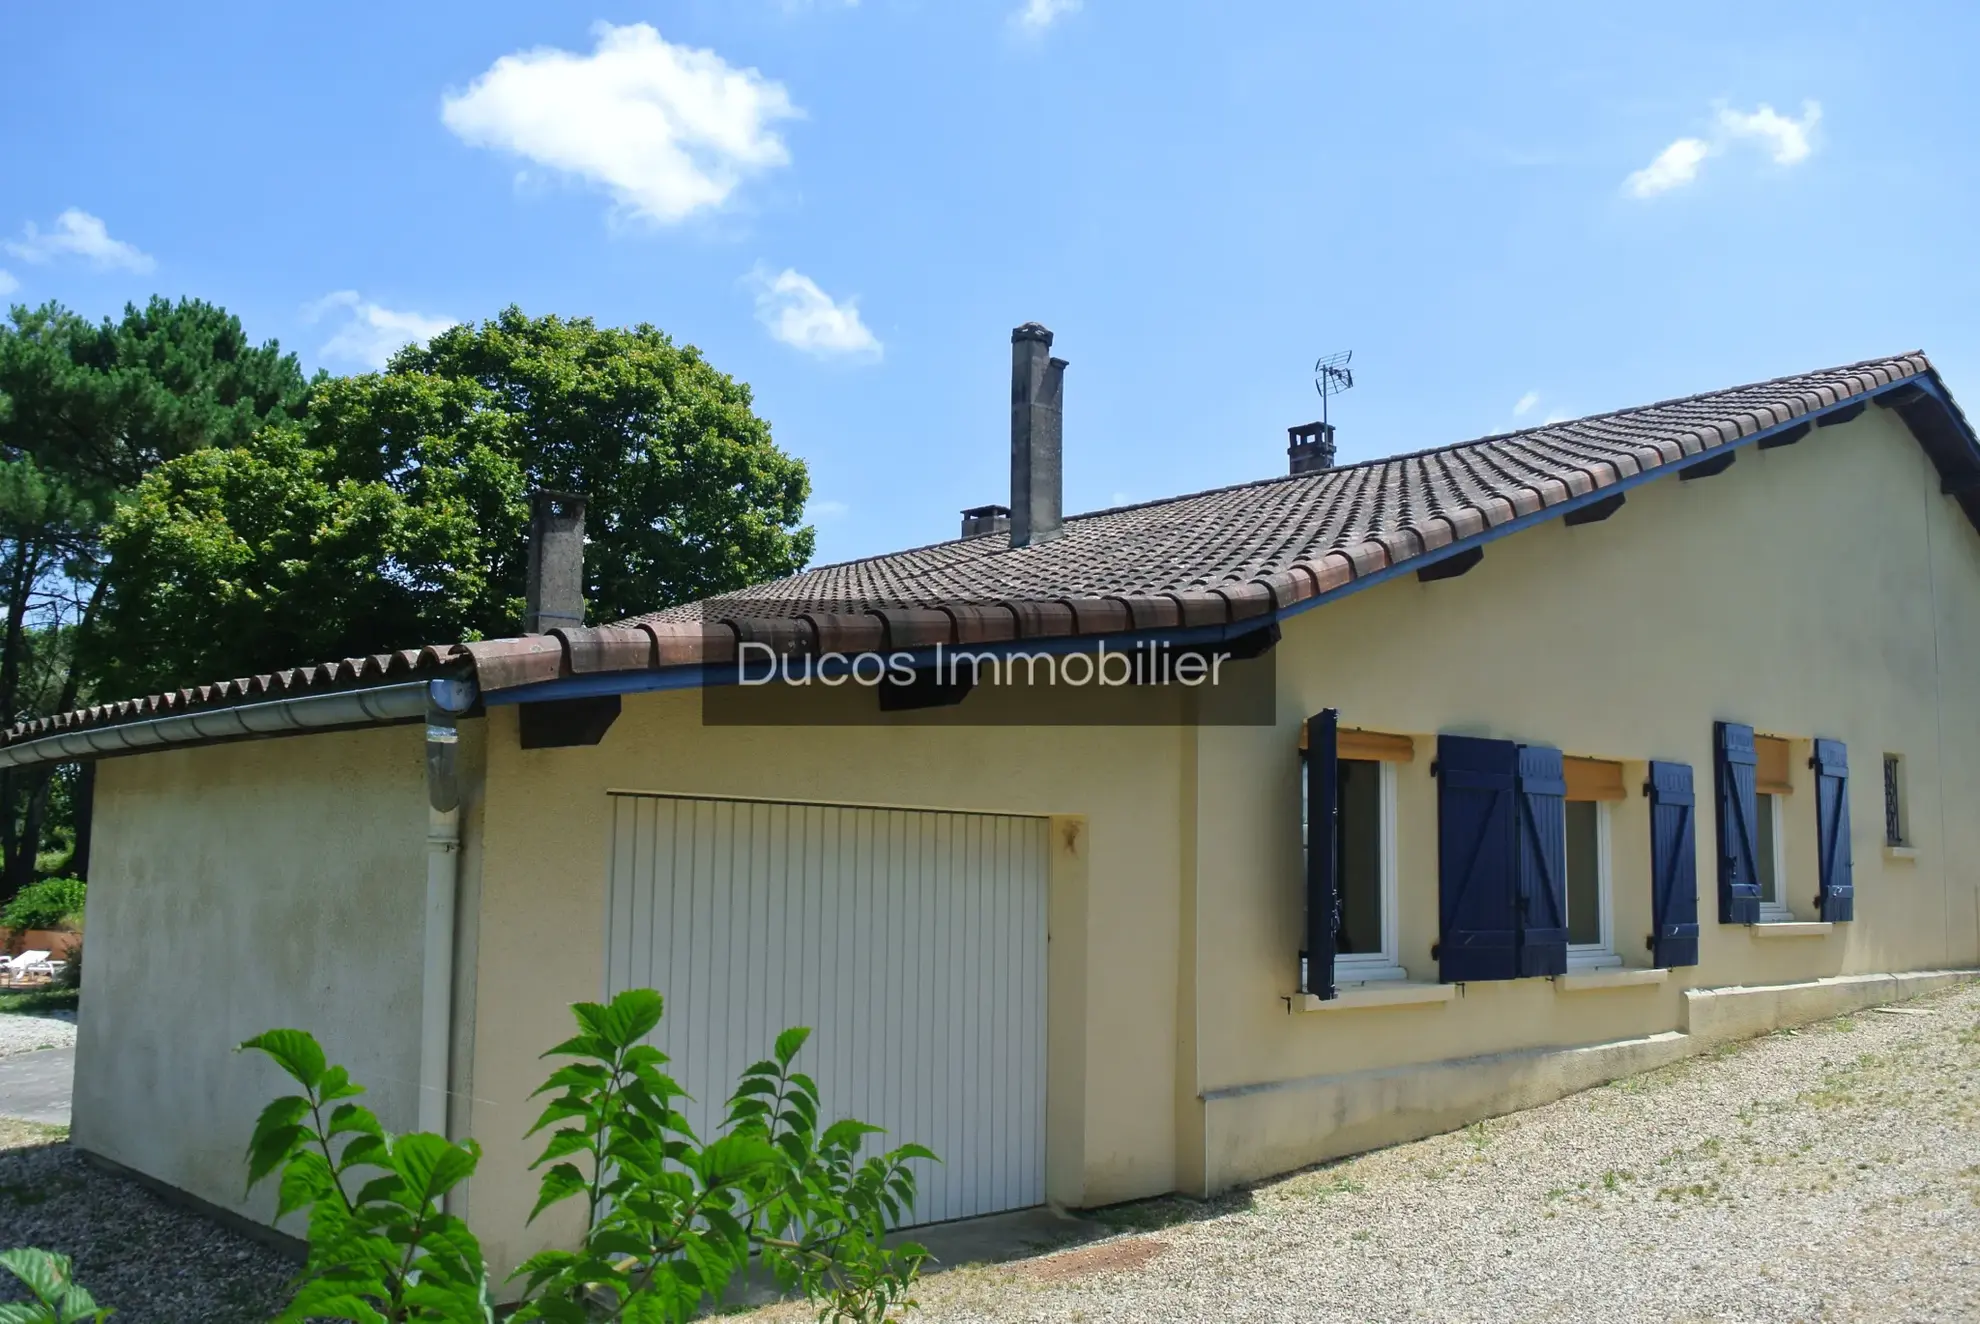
x: 1786, y: 138
x: 7, y: 282
x: 827, y: 510
x: 1676, y: 165
x: 1526, y: 403
x: 1037, y: 15
x: 78, y: 234
x: 803, y: 316
x: 667, y: 130
x: 369, y: 334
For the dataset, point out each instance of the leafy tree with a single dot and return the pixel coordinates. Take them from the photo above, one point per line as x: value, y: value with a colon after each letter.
x: 86, y: 410
x: 396, y: 513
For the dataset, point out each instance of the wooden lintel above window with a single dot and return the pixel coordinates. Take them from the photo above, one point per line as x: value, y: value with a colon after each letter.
x: 1373, y: 746
x: 1593, y: 779
x: 1770, y: 775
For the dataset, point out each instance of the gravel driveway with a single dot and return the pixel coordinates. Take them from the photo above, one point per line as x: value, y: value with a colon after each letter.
x: 25, y: 1034
x: 1830, y: 1173
x: 154, y: 1262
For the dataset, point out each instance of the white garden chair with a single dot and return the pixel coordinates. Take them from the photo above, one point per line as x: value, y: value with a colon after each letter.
x: 27, y: 963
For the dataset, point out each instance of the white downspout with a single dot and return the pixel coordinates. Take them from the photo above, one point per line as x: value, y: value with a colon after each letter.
x: 443, y: 872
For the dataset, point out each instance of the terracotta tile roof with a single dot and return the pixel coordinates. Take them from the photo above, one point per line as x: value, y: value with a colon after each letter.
x: 1294, y: 537
x: 1213, y: 559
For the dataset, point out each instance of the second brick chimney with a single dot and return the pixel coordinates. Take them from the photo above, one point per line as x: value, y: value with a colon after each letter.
x: 1037, y: 437
x: 555, y: 593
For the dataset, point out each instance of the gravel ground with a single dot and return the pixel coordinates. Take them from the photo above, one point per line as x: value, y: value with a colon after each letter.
x: 1830, y: 1173
x: 1826, y: 1174
x: 24, y: 1034
x: 155, y: 1263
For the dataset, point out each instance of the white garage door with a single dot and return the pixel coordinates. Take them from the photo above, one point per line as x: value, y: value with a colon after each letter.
x: 912, y: 943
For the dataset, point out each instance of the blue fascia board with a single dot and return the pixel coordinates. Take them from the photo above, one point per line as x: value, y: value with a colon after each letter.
x: 702, y: 675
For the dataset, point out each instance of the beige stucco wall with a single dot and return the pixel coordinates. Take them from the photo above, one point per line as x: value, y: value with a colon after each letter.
x: 1113, y: 939
x: 235, y: 889
x: 1825, y: 588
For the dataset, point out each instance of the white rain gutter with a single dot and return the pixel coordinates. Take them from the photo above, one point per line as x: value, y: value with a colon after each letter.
x: 386, y: 703
x: 443, y: 877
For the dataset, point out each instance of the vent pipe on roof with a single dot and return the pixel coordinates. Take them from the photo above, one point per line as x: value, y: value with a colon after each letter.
x: 979, y: 520
x: 555, y: 595
x: 1310, y: 448
x: 1037, y: 439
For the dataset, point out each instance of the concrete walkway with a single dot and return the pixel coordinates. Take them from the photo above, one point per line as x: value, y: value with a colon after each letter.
x: 36, y: 1086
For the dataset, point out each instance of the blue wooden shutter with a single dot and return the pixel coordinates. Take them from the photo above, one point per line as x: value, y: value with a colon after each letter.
x: 1323, y: 852
x: 1477, y: 883
x: 1542, y: 811
x: 1673, y: 865
x: 1832, y: 830
x: 1733, y: 773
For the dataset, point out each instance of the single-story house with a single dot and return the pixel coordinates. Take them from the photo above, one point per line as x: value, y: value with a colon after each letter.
x: 1559, y: 755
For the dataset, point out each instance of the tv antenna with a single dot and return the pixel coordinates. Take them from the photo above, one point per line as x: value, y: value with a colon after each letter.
x: 1331, y: 376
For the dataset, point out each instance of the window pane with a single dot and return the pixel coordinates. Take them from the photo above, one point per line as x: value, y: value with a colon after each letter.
x: 1361, y: 856
x: 1584, y: 874
x: 1763, y: 855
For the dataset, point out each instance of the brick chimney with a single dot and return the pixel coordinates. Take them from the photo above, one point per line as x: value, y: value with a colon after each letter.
x: 1310, y: 448
x: 555, y: 594
x: 1037, y: 385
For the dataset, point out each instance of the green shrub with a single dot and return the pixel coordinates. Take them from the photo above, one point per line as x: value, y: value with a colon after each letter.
x: 49, y: 1279
x: 671, y: 1219
x: 71, y: 976
x: 44, y: 905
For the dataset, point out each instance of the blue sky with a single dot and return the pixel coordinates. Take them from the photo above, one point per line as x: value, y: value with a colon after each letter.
x: 1508, y: 212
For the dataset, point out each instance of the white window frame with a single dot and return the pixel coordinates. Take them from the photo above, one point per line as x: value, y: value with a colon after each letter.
x: 1368, y: 967
x: 1599, y: 955
x: 1777, y: 911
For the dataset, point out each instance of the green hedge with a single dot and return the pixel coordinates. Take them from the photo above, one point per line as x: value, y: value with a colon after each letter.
x: 43, y: 905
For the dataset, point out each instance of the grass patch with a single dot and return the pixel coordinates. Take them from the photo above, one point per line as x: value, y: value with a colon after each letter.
x: 27, y: 1002
x: 1166, y: 1211
x: 18, y: 1134
x: 1701, y: 1191
x: 1613, y: 1179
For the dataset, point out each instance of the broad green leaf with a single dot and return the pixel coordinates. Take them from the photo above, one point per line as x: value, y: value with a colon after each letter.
x: 431, y: 1165
x: 354, y: 1117
x: 563, y: 1144
x: 295, y: 1051
x: 366, y: 1151
x: 44, y: 1273
x: 305, y: 1180
x: 336, y: 1084
x: 789, y: 1042
x: 630, y: 1018
x: 276, y: 1136
x: 561, y: 1182
x: 582, y: 1045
